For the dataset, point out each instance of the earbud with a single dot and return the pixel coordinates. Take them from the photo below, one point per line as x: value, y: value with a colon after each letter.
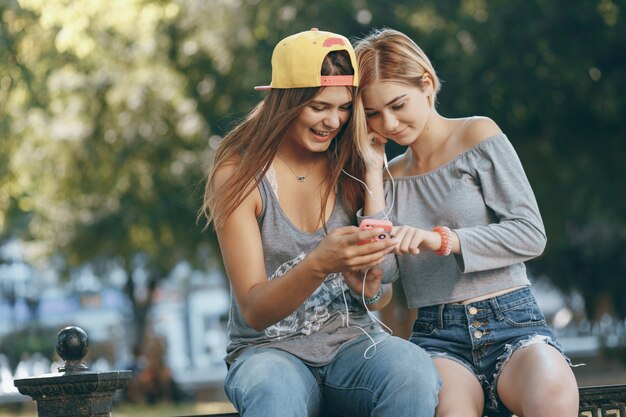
x: 386, y: 164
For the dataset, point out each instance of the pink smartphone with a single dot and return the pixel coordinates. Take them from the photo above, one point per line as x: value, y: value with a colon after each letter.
x: 368, y: 224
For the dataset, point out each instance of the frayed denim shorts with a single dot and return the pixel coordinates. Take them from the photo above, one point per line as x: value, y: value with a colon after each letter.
x: 483, y: 335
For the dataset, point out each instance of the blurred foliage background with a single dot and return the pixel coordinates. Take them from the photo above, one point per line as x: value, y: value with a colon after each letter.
x: 109, y: 112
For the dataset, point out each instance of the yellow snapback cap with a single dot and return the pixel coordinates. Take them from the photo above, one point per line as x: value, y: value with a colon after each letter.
x: 297, y: 61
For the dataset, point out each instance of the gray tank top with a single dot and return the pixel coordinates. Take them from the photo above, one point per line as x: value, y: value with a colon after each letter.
x: 318, y: 328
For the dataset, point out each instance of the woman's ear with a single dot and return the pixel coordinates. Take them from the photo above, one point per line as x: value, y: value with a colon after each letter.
x: 427, y: 83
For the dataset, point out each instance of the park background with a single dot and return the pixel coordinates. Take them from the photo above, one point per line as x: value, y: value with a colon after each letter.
x: 110, y: 111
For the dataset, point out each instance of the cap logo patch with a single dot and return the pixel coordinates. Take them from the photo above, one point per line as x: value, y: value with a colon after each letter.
x: 333, y: 41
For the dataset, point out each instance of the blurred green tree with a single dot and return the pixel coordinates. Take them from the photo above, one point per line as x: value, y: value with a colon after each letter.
x: 105, y: 146
x: 551, y: 74
x: 110, y: 112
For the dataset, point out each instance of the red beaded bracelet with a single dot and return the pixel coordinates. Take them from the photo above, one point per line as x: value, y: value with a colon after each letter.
x: 446, y: 245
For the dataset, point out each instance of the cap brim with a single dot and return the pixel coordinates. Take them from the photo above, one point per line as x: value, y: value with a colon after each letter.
x: 263, y: 87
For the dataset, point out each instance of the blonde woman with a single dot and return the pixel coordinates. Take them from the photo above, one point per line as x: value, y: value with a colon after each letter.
x: 466, y: 220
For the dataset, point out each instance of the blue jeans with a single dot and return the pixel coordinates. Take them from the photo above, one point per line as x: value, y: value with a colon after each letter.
x: 399, y: 379
x: 483, y: 335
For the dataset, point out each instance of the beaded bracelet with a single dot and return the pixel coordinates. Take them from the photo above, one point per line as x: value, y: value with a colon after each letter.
x: 375, y: 299
x: 446, y: 244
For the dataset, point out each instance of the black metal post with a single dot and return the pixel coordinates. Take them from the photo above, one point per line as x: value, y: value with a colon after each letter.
x: 74, y: 391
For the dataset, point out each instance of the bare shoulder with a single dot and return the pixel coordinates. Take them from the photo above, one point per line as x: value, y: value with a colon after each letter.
x: 225, y: 171
x: 397, y: 166
x: 476, y: 129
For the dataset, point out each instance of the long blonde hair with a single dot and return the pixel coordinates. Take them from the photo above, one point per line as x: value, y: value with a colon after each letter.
x: 387, y: 54
x: 254, y: 143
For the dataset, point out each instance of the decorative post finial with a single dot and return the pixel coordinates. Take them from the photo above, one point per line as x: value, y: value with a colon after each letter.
x: 72, y: 346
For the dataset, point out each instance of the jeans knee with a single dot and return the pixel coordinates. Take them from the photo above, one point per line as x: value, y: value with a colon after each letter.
x: 270, y: 383
x: 417, y: 367
x: 261, y: 374
x: 414, y: 379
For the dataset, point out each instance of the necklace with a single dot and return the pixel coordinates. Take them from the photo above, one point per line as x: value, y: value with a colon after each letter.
x: 300, y: 178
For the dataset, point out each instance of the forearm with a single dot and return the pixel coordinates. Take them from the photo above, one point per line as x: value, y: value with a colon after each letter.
x: 385, y: 298
x: 498, y: 245
x: 375, y: 197
x: 271, y: 301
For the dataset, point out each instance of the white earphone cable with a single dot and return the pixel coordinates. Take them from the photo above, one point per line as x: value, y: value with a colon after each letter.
x: 386, y: 217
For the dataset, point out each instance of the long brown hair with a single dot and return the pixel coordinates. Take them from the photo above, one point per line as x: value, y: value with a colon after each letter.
x: 254, y: 142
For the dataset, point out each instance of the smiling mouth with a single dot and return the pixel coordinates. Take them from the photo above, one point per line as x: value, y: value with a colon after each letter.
x: 397, y: 132
x: 322, y: 134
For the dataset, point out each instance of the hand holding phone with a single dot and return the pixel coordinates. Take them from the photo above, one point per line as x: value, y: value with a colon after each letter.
x: 370, y: 224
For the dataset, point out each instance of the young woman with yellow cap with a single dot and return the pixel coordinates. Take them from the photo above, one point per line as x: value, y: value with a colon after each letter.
x: 302, y: 338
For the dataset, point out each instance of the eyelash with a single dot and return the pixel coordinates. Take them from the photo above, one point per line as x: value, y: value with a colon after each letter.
x: 342, y: 108
x: 395, y: 107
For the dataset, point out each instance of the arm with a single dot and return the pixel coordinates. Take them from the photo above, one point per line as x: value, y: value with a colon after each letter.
x: 375, y: 204
x: 519, y: 234
x: 369, y: 289
x: 375, y: 169
x: 263, y: 302
x: 515, y: 235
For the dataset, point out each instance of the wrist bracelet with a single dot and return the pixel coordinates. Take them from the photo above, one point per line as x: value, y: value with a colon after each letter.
x: 375, y: 299
x: 446, y: 244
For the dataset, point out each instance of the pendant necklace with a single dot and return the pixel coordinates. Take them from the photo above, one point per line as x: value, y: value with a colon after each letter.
x: 300, y: 178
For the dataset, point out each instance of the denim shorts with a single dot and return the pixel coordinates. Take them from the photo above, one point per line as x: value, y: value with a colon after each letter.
x: 482, y: 335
